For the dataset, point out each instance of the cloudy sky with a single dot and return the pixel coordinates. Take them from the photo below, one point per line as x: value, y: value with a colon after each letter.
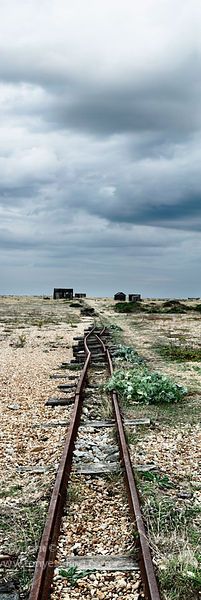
x: 100, y: 146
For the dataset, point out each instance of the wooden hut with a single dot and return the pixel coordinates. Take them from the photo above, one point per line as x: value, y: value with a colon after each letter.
x: 134, y: 297
x: 80, y: 295
x: 63, y: 293
x: 120, y: 297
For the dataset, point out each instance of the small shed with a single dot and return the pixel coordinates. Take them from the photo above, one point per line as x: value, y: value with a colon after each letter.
x: 80, y: 295
x: 63, y: 293
x: 120, y: 297
x: 134, y: 297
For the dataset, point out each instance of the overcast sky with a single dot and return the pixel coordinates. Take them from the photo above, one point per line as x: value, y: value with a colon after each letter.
x: 100, y: 146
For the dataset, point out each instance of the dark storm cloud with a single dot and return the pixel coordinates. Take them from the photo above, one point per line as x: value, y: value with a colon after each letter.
x: 165, y: 99
x: 168, y: 102
x: 182, y: 210
x: 184, y: 213
x: 100, y: 136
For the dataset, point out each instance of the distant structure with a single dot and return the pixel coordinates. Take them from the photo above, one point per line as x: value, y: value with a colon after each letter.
x: 134, y: 297
x: 63, y: 293
x: 80, y: 295
x: 120, y: 296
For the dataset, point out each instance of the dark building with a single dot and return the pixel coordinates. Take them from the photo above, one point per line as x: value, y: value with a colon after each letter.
x: 134, y: 297
x: 120, y: 296
x: 65, y: 293
x: 80, y: 295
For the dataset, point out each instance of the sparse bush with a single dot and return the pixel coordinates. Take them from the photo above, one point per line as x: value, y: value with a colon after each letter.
x: 180, y: 353
x: 21, y: 341
x: 128, y: 354
x: 127, y: 307
x: 115, y: 328
x: 139, y: 385
x: 197, y: 307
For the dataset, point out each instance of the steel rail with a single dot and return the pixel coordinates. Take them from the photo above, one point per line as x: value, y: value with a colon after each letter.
x: 45, y: 563
x: 151, y: 589
x: 47, y: 551
x: 146, y: 565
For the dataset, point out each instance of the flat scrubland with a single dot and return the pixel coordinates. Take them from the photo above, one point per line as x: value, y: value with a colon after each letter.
x: 36, y: 336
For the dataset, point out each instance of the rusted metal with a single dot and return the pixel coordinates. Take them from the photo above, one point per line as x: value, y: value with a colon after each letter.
x: 45, y: 564
x: 47, y: 552
x: 146, y: 565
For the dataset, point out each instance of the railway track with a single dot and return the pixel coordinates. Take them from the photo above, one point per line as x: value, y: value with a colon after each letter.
x: 94, y: 463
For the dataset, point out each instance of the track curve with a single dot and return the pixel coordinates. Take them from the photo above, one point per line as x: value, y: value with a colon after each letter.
x: 45, y: 563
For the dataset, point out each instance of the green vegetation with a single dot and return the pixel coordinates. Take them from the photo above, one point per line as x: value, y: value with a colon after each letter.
x: 174, y: 533
x: 73, y: 574
x: 128, y: 354
x: 106, y: 411
x: 141, y: 386
x: 20, y: 535
x: 114, y: 328
x: 185, y: 575
x: 9, y: 492
x: 197, y: 307
x: 116, y: 332
x: 74, y: 493
x: 176, y: 352
x: 128, y: 307
x: 163, y: 481
x: 169, y: 306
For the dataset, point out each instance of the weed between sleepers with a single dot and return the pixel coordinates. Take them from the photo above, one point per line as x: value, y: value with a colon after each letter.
x: 73, y: 574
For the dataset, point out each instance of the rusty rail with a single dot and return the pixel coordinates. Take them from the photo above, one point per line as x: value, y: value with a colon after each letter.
x: 47, y: 551
x: 45, y: 563
x: 146, y: 565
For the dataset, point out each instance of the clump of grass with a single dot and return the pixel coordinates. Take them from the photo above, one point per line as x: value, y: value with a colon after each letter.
x: 20, y: 343
x: 163, y: 481
x: 46, y: 320
x: 141, y: 386
x: 74, y: 493
x: 12, y: 491
x: 181, y: 353
x: 106, y: 408
x: 40, y: 323
x: 73, y: 574
x: 173, y: 531
x: 185, y: 574
x: 23, y: 529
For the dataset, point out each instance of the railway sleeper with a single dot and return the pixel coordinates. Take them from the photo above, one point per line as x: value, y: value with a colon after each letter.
x: 95, y: 456
x: 59, y: 401
x: 100, y: 563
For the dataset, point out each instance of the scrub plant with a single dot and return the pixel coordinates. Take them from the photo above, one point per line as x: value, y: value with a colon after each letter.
x: 128, y: 354
x: 21, y: 341
x: 177, y: 352
x: 141, y: 386
x: 73, y: 574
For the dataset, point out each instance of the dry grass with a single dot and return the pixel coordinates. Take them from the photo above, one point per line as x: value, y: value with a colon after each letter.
x: 36, y: 336
x: 173, y: 444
